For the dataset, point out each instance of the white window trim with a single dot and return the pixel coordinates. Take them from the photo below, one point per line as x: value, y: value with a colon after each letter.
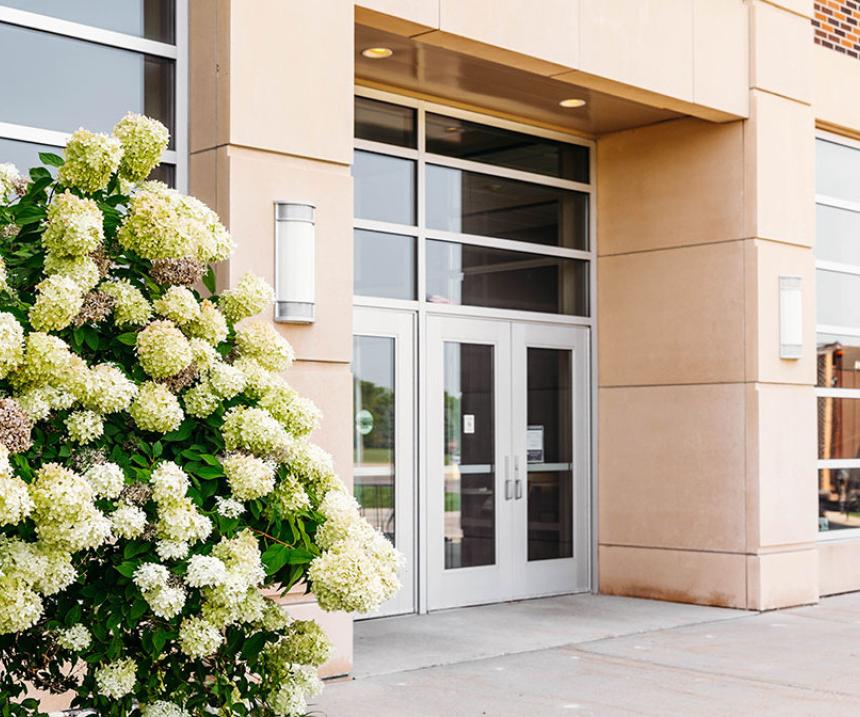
x: 842, y: 534
x: 177, y: 157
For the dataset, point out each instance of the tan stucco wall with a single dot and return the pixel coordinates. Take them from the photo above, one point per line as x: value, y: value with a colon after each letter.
x: 707, y: 438
x: 271, y: 119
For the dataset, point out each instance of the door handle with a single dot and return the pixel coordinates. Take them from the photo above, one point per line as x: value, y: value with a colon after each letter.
x: 507, y: 477
x: 518, y: 484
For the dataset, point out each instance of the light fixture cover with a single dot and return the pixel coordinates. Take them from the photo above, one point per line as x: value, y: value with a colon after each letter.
x: 295, y: 262
x: 790, y: 317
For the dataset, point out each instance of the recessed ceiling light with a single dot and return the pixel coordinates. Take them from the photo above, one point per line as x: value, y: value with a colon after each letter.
x: 377, y: 53
x: 573, y: 102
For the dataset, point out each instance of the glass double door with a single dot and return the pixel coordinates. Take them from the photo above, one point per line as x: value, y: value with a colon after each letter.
x: 507, y: 460
x: 471, y: 454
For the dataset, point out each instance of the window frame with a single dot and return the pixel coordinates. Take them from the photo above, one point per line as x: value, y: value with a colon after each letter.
x: 422, y: 232
x: 178, y: 53
x: 827, y: 391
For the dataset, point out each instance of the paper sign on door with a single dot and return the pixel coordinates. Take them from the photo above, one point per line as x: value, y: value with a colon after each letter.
x: 468, y: 423
x: 534, y: 444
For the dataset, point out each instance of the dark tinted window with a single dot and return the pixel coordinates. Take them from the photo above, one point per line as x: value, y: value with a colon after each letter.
x: 504, y: 148
x: 384, y: 122
x: 384, y: 265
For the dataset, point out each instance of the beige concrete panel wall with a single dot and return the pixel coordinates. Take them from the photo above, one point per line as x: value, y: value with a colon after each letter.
x: 646, y: 43
x: 832, y: 105
x: 721, y: 54
x: 672, y: 316
x: 672, y: 184
x: 258, y: 179
x: 801, y: 7
x: 208, y: 73
x: 780, y: 170
x: 778, y: 580
x: 291, y: 77
x: 781, y: 454
x: 420, y: 12
x: 672, y: 467
x: 838, y: 566
x: 209, y: 181
x: 765, y: 262
x: 551, y: 34
x: 675, y: 575
x: 781, y: 60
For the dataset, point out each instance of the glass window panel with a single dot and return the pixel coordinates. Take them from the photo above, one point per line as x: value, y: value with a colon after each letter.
x: 152, y: 19
x: 164, y: 173
x: 838, y: 498
x: 374, y: 431
x: 54, y: 88
x: 473, y: 203
x: 837, y: 236
x: 837, y: 295
x: 384, y: 188
x: 838, y: 427
x: 470, y: 472
x: 480, y: 276
x: 838, y: 361
x: 837, y: 170
x: 505, y: 148
x: 383, y: 122
x: 384, y: 265
x: 549, y: 454
x: 25, y: 155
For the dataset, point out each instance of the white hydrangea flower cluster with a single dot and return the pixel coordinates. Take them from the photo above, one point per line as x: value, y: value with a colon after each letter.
x: 249, y: 477
x: 75, y: 638
x: 258, y: 340
x: 116, y: 679
x: 178, y: 304
x: 90, y: 160
x: 199, y: 638
x: 156, y: 409
x: 11, y: 344
x: 130, y: 305
x: 179, y: 522
x: 163, y: 349
x: 15, y: 501
x: 154, y: 581
x: 143, y: 141
x: 249, y: 297
x: 9, y: 178
x: 106, y: 479
x: 162, y: 708
x: 128, y: 521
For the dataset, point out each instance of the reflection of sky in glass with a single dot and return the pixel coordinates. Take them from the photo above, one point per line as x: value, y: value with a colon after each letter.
x: 837, y: 169
x: 836, y: 295
x: 54, y: 87
x: 373, y: 360
x: 118, y: 15
x: 25, y: 154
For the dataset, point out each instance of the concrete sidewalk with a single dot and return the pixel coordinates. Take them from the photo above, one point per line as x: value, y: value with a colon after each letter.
x: 605, y: 656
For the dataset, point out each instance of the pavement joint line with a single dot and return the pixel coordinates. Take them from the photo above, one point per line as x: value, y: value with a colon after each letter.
x: 573, y: 645
x: 717, y: 673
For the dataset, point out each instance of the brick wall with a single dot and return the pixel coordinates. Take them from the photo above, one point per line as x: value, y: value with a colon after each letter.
x: 837, y: 25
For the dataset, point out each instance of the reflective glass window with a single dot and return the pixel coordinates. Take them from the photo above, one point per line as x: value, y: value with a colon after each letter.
x: 384, y: 122
x: 384, y: 188
x: 384, y: 265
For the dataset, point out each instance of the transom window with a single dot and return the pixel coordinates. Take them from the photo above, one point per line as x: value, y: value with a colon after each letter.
x: 454, y: 208
x: 73, y: 63
x: 837, y: 252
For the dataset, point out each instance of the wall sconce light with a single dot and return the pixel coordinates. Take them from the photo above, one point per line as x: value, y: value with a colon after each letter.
x: 295, y: 237
x: 790, y: 317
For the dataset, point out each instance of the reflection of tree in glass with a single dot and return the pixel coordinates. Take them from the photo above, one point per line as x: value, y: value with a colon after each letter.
x: 379, y: 400
x: 452, y: 429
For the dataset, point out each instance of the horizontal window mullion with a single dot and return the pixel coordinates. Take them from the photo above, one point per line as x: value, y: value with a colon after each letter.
x: 828, y: 201
x: 22, y: 133
x: 832, y: 329
x: 509, y: 244
x: 393, y: 150
x: 56, y: 26
x: 506, y: 314
x: 468, y: 165
x: 837, y: 267
x: 386, y: 227
x: 838, y: 463
x: 825, y: 392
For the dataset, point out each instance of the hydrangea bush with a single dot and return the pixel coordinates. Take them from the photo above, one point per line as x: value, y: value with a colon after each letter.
x: 157, y: 482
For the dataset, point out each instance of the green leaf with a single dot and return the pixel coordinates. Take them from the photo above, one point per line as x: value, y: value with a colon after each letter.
x: 91, y: 338
x: 127, y: 568
x: 275, y: 557
x: 138, y: 609
x: 129, y: 339
x: 37, y: 173
x: 51, y: 159
x: 29, y: 214
x: 134, y: 548
x: 209, y: 280
x: 253, y: 645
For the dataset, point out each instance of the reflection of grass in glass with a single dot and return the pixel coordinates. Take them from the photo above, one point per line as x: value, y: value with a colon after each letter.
x: 373, y: 496
x: 452, y: 502
x: 376, y: 456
